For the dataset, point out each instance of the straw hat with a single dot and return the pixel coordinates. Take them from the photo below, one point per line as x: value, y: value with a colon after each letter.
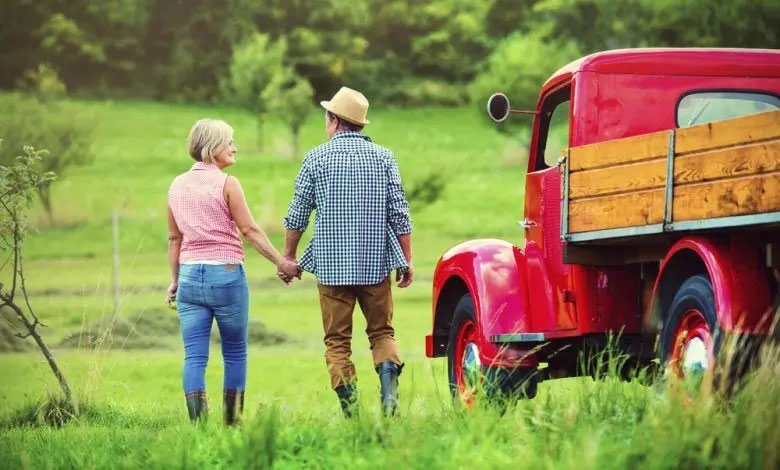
x: 348, y: 104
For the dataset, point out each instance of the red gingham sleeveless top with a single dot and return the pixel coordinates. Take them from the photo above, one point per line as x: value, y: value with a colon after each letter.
x: 197, y: 201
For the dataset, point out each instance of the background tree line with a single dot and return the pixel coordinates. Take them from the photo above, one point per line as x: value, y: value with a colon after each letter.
x: 406, y: 52
x: 276, y: 57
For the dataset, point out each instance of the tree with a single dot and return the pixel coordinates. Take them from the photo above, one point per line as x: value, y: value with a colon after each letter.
x: 736, y: 23
x: 54, y: 125
x: 18, y: 181
x: 254, y: 65
x: 326, y: 39
x: 518, y: 68
x: 288, y: 97
x: 595, y: 25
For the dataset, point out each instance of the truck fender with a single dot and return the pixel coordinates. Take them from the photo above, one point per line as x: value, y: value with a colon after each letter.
x: 493, y: 273
x: 742, y: 294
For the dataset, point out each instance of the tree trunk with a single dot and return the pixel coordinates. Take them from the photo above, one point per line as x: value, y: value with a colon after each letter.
x: 44, y: 194
x: 32, y: 331
x: 296, y: 132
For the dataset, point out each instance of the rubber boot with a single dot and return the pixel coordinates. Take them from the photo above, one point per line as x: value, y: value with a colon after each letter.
x: 197, y: 406
x: 233, y: 406
x: 388, y: 380
x: 347, y: 394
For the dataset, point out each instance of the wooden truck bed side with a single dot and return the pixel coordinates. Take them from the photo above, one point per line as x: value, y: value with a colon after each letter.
x: 723, y: 174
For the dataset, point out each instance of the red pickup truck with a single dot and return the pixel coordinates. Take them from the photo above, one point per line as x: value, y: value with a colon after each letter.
x: 656, y: 223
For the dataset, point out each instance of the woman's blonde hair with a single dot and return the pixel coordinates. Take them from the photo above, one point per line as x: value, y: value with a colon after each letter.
x: 206, y: 137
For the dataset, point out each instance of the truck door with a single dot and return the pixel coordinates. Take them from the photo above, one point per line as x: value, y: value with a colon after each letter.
x: 550, y: 293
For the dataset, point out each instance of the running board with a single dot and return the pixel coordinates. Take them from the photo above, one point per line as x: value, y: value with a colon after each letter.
x: 518, y: 338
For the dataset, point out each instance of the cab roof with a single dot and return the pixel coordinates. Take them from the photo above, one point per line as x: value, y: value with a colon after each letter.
x: 674, y: 61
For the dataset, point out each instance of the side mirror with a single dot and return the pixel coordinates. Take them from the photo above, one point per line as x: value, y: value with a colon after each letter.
x: 498, y: 107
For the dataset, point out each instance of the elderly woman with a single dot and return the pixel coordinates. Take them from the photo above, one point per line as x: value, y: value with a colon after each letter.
x: 206, y: 212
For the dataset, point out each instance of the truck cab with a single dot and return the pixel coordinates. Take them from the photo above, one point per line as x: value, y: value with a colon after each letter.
x: 500, y: 311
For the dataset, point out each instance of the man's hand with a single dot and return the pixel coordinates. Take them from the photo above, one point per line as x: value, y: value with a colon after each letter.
x: 171, y: 297
x: 404, y: 276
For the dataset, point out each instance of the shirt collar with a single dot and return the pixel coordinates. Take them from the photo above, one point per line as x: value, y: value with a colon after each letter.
x: 204, y: 166
x: 350, y: 135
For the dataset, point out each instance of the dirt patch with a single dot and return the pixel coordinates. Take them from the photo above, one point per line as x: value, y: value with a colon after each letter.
x: 154, y: 329
x: 108, y: 333
x: 261, y: 335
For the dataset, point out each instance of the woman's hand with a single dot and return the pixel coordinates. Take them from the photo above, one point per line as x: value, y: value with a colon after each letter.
x: 171, y: 299
x: 287, y: 269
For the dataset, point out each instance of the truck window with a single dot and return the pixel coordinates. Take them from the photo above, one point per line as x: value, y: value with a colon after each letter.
x: 553, y: 129
x: 704, y: 107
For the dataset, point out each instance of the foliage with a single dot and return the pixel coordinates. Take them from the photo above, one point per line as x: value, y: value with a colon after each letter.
x: 261, y: 82
x: 417, y: 92
x: 182, y: 50
x: 326, y: 39
x: 43, y: 83
x: 743, y: 23
x: 288, y: 98
x: 255, y: 64
x: 518, y: 68
x: 61, y: 128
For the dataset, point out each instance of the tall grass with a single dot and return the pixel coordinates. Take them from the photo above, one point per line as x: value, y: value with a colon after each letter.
x: 605, y: 423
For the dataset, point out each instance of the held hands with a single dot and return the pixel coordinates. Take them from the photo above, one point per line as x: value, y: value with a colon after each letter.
x: 404, y: 276
x: 288, y: 269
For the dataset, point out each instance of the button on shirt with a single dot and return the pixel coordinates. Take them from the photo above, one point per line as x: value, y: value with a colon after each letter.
x: 355, y: 187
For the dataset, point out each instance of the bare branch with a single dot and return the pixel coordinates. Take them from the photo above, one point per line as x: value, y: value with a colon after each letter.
x: 17, y: 249
x: 24, y: 293
x: 23, y: 336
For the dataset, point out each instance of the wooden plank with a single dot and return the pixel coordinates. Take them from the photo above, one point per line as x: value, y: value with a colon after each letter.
x: 753, y: 128
x: 618, y: 179
x: 613, y: 152
x: 616, y: 211
x: 691, y: 168
x: 730, y: 162
x: 739, y: 196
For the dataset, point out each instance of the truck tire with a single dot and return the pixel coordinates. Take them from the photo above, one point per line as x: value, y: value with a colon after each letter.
x: 688, y: 340
x: 468, y: 376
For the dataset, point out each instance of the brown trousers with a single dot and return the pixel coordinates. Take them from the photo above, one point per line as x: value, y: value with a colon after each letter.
x: 338, y: 304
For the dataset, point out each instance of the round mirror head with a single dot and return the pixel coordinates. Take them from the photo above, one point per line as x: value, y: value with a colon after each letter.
x: 498, y: 107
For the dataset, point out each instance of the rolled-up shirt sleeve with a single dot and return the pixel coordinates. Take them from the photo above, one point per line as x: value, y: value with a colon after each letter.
x: 397, y: 205
x: 302, y: 203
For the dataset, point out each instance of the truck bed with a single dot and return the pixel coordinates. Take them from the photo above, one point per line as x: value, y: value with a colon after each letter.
x: 712, y: 176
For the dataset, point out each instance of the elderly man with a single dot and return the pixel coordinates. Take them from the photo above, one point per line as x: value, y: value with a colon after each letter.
x: 362, y: 231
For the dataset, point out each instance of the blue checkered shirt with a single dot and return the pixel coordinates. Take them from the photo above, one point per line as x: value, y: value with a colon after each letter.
x: 361, y: 208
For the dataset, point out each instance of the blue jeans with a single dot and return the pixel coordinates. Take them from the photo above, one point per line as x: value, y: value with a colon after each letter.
x: 207, y: 292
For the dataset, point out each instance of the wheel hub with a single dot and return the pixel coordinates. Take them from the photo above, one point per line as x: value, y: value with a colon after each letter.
x: 692, y: 351
x: 471, y: 366
x: 695, y: 359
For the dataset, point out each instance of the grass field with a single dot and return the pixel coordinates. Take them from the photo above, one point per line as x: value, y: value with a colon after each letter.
x: 133, y: 412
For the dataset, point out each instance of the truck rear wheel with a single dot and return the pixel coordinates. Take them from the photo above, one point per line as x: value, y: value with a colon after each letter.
x: 688, y: 343
x: 468, y: 376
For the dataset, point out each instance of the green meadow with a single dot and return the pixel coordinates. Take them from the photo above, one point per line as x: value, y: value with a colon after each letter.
x: 128, y: 378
